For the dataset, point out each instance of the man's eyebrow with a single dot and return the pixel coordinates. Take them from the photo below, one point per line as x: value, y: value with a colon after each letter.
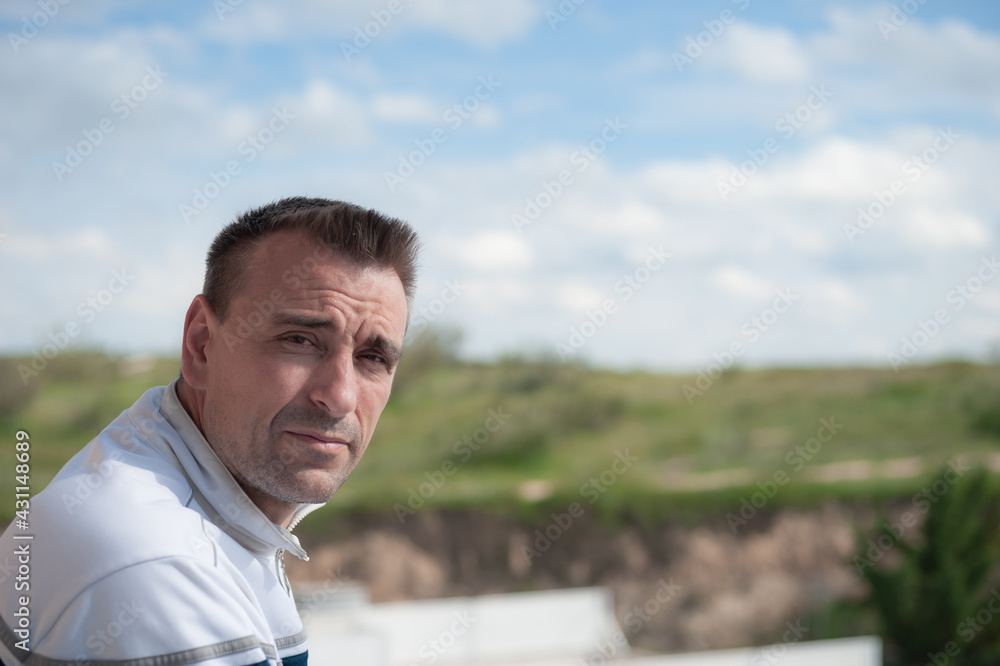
x: 390, y: 350
x: 305, y: 321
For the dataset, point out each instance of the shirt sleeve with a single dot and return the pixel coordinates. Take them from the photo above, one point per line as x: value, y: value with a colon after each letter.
x: 165, y: 612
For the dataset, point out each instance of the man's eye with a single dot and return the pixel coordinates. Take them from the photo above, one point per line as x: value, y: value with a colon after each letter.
x: 297, y: 339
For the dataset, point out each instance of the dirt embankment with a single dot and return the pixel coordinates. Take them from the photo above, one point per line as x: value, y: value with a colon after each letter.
x: 676, y: 587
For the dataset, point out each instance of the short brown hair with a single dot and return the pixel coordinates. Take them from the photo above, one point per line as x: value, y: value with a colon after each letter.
x: 363, y: 236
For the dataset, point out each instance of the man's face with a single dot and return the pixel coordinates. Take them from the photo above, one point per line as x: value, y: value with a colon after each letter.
x: 300, y: 371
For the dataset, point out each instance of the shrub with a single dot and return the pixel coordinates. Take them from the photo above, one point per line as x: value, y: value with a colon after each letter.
x: 942, y: 580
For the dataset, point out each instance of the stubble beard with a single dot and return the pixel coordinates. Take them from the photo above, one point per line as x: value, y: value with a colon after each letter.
x: 271, y: 465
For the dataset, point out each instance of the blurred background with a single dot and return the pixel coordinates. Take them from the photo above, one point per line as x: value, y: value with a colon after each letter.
x: 718, y: 275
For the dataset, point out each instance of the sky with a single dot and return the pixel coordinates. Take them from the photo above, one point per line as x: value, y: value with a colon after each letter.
x: 665, y: 186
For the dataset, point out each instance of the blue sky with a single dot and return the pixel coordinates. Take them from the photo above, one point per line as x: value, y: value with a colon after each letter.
x: 746, y: 164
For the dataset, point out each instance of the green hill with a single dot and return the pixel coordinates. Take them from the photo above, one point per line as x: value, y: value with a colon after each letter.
x: 528, y: 436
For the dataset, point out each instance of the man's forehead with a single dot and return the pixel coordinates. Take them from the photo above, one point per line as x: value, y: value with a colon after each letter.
x: 301, y: 273
x: 292, y: 257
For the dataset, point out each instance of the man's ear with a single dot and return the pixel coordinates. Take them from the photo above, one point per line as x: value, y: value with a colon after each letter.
x: 200, y: 324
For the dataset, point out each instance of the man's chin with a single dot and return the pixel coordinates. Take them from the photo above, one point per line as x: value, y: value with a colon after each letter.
x: 310, y: 490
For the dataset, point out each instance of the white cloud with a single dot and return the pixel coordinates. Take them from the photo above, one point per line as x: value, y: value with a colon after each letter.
x: 658, y: 187
x: 740, y: 282
x: 636, y: 217
x: 87, y: 74
x: 645, y: 61
x: 487, y: 116
x: 764, y: 55
x: 248, y: 22
x: 950, y: 55
x: 534, y: 103
x: 490, y: 251
x: 576, y: 296
x: 238, y: 122
x: 326, y: 112
x: 405, y: 108
x: 943, y: 229
x: 835, y: 169
x: 494, y: 297
x: 485, y: 24
x: 682, y: 183
x: 835, y: 301
x: 89, y: 243
x: 165, y: 283
x: 590, y: 211
x: 512, y: 291
x: 74, y: 13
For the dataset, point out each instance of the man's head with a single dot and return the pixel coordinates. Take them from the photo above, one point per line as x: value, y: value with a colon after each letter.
x: 289, y: 354
x: 364, y: 237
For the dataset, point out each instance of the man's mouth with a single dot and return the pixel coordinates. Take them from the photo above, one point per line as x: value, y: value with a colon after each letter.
x: 321, y: 442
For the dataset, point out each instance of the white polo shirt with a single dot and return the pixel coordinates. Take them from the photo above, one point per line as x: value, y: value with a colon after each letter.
x: 145, y: 551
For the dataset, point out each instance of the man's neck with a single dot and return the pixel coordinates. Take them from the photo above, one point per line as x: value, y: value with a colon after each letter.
x: 193, y: 403
x: 278, y: 511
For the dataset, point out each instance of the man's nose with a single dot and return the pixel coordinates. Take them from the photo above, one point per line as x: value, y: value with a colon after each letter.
x: 334, y: 386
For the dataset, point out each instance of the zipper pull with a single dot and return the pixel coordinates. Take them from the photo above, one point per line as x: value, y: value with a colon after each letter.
x: 280, y: 571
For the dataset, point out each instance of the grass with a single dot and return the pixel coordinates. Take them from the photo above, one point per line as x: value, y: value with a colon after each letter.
x: 564, y: 424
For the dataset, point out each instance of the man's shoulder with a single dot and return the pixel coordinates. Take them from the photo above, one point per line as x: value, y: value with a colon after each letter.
x: 120, y: 501
x: 120, y: 530
x: 119, y: 509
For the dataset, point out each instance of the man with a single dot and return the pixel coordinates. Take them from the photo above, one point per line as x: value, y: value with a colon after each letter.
x: 160, y: 543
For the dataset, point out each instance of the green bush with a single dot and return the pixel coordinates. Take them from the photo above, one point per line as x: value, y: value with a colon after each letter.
x: 927, y: 603
x: 521, y: 449
x: 987, y: 421
x: 15, y: 395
